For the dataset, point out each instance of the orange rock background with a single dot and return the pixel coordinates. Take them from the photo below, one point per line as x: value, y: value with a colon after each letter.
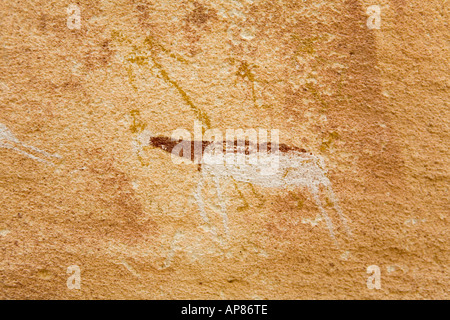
x: 373, y: 103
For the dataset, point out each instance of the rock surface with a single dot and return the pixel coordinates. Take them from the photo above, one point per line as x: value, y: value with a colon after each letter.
x: 80, y: 188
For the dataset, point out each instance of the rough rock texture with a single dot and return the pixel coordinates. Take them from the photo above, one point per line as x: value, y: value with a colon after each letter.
x: 374, y: 103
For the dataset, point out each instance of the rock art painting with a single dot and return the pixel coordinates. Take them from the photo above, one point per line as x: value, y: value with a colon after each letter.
x: 9, y: 141
x: 295, y: 167
x: 224, y: 150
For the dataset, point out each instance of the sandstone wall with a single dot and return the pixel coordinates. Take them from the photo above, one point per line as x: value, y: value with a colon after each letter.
x: 373, y: 103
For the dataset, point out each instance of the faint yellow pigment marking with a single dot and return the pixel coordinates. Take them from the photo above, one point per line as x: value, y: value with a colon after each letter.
x: 245, y: 72
x: 316, y: 94
x: 138, y: 126
x: 45, y: 274
x: 200, y: 114
x: 300, y: 200
x: 151, y: 41
x: 131, y: 77
x: 118, y: 36
x: 307, y: 46
x: 245, y: 206
x: 260, y: 197
x: 140, y: 56
x: 328, y: 141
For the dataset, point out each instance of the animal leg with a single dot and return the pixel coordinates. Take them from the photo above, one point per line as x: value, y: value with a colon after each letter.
x: 201, y: 206
x: 315, y: 192
x: 222, y: 206
x: 339, y: 210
